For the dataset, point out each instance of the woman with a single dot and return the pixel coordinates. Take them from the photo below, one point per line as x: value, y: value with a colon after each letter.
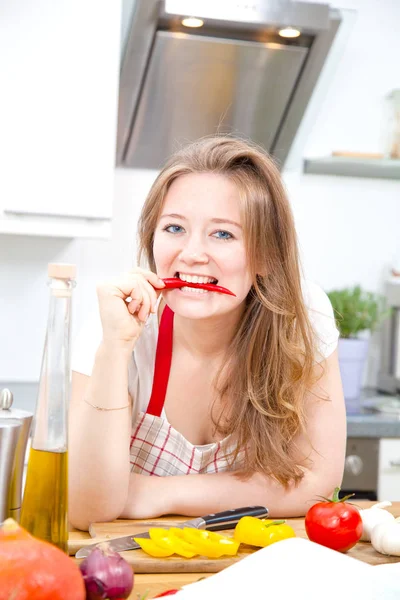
x: 245, y: 396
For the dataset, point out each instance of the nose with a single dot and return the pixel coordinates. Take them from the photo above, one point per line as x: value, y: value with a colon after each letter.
x: 193, y: 253
x: 192, y: 258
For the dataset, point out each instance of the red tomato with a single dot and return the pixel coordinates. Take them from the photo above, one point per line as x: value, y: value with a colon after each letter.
x: 334, y: 523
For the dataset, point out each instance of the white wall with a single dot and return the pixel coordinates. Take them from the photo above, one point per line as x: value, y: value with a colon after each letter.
x: 348, y: 228
x: 59, y: 75
x: 23, y: 277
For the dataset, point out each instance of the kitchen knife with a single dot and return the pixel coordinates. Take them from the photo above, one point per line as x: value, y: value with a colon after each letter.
x: 214, y: 522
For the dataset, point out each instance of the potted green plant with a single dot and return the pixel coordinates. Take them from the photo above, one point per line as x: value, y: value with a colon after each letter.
x: 356, y: 311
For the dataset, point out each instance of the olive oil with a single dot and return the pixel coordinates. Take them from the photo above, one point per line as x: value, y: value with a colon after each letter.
x: 44, y: 510
x: 44, y: 505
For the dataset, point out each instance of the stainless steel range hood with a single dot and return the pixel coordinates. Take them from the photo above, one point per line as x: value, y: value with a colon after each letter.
x: 233, y: 74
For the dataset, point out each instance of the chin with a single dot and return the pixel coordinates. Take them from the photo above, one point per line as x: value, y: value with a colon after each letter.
x: 193, y: 312
x: 197, y: 309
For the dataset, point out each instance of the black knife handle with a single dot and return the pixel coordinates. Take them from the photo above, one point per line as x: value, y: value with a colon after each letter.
x: 229, y: 518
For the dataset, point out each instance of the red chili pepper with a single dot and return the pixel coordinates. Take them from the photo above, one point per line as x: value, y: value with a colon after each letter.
x: 167, y: 593
x: 175, y: 282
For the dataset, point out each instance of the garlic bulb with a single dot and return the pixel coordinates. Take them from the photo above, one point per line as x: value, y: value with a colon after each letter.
x: 385, y: 537
x: 372, y: 517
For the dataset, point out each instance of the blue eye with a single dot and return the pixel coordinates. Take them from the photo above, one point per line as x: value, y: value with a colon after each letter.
x: 225, y: 235
x: 173, y: 228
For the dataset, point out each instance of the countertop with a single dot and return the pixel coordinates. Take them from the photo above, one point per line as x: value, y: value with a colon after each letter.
x: 156, y: 583
x: 370, y: 423
x: 373, y: 426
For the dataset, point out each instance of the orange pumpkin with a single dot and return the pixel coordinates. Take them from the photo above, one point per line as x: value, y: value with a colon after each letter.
x: 31, y: 569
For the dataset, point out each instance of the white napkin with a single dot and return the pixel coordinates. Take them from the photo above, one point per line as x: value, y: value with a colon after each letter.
x: 297, y: 569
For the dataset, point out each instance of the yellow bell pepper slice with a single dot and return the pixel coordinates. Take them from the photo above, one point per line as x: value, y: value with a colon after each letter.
x: 152, y: 548
x: 210, y: 544
x: 167, y: 539
x: 187, y: 542
x: 262, y: 532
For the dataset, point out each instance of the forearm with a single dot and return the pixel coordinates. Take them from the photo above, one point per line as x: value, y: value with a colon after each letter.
x: 195, y: 495
x: 99, y: 441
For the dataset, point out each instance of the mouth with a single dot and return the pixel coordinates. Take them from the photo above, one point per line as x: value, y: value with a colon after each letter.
x: 186, y: 282
x: 192, y: 280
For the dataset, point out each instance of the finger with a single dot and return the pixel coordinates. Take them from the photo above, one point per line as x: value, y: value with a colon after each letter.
x: 140, y: 301
x: 123, y: 286
x: 151, y: 277
x: 134, y: 306
x: 153, y: 294
x: 145, y: 308
x: 135, y: 297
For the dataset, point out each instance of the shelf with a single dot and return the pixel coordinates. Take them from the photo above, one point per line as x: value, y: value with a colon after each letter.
x: 375, y: 168
x: 55, y: 227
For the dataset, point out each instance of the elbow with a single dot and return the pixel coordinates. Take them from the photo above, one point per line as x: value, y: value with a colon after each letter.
x: 325, y: 484
x: 95, y: 499
x: 86, y: 506
x: 79, y: 522
x: 331, y: 480
x: 79, y: 513
x: 315, y: 486
x: 82, y: 515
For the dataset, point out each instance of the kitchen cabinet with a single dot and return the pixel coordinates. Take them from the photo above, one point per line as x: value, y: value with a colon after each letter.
x: 58, y: 115
x: 39, y: 224
x: 389, y: 469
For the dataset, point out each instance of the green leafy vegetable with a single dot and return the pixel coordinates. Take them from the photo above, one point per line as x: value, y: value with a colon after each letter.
x: 357, y: 310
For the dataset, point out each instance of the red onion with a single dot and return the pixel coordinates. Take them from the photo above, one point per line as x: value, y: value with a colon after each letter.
x: 106, y: 574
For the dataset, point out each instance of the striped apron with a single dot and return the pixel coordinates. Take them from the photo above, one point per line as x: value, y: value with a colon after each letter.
x: 156, y: 447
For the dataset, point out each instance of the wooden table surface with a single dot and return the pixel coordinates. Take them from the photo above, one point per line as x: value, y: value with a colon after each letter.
x: 155, y: 583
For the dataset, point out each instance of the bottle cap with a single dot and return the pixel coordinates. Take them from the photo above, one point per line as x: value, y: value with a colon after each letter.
x: 61, y: 270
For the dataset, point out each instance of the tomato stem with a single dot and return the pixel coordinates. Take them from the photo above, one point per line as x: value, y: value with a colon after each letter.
x: 335, y: 498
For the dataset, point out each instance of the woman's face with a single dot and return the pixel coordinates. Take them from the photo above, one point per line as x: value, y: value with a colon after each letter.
x: 199, y: 234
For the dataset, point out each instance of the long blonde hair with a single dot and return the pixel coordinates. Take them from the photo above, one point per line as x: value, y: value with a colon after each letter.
x: 269, y: 365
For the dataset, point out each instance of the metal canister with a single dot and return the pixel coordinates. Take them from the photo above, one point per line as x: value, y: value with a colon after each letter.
x: 19, y: 426
x: 10, y: 430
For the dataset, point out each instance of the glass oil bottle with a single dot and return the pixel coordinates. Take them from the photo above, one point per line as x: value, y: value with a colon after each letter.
x: 44, y: 507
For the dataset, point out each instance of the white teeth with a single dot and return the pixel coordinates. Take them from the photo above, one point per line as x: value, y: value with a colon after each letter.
x: 186, y: 288
x: 195, y: 278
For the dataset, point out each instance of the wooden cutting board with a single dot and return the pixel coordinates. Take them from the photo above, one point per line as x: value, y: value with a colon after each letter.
x: 142, y: 563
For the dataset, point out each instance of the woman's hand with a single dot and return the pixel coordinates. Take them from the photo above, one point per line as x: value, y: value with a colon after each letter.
x: 125, y: 304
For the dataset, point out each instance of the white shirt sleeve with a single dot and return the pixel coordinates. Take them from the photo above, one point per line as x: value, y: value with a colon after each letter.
x: 322, y: 320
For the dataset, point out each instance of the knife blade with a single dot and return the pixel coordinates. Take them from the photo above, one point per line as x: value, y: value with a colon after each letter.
x: 213, y: 522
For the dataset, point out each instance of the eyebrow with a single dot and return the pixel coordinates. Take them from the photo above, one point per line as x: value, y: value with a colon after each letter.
x: 176, y: 216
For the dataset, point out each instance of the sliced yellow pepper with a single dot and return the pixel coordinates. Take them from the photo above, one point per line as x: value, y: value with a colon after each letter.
x: 152, y: 548
x: 187, y: 542
x: 262, y: 532
x: 167, y: 539
x: 210, y: 544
